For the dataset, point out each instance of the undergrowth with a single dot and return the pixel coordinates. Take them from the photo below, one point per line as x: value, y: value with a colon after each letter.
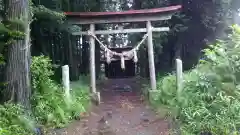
x: 49, y: 106
x: 210, y: 99
x: 13, y: 120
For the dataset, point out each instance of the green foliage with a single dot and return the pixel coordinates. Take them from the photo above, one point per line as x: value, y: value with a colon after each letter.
x: 41, y: 70
x: 7, y: 36
x: 13, y: 121
x: 47, y: 20
x: 44, y: 14
x: 49, y: 103
x: 2, y: 59
x: 210, y: 99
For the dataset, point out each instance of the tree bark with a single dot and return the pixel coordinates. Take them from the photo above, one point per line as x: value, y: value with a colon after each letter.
x: 85, y: 57
x: 18, y: 61
x: 73, y: 60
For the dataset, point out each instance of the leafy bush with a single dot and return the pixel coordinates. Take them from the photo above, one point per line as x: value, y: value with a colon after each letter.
x: 49, y: 103
x: 210, y: 99
x: 13, y: 121
x: 50, y: 106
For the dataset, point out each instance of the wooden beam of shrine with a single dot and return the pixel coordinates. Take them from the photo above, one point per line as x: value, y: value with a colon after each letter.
x: 120, y: 19
x: 106, y: 32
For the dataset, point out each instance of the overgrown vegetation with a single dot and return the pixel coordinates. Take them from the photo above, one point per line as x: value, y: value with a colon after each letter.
x: 13, y: 121
x: 209, y: 101
x: 49, y: 104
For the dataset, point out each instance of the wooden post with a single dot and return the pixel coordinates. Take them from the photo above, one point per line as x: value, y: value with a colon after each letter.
x: 66, y: 80
x: 151, y: 56
x: 95, y: 94
x: 179, y: 76
x: 92, y: 59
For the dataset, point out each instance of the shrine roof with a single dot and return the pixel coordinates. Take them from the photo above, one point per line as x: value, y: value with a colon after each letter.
x: 129, y: 12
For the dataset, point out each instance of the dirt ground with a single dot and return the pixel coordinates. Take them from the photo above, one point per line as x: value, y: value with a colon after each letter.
x: 122, y: 112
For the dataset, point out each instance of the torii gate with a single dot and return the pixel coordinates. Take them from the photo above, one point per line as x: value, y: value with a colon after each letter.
x: 145, y: 15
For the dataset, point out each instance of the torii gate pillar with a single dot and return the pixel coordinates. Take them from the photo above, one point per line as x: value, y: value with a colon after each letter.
x: 95, y: 94
x: 151, y: 56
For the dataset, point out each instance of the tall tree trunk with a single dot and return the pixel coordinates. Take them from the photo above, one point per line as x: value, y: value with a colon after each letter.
x: 18, y: 61
x: 97, y: 57
x: 85, y: 56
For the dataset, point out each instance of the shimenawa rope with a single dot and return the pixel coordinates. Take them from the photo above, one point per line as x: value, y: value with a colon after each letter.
x: 130, y: 53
